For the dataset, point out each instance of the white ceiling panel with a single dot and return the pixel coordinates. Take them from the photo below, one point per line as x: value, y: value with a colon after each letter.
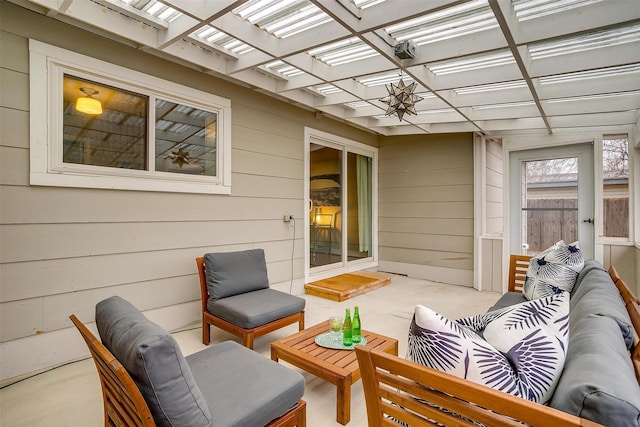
x: 481, y: 65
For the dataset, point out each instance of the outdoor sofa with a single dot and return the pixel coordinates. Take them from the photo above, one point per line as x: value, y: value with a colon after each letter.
x: 597, y: 385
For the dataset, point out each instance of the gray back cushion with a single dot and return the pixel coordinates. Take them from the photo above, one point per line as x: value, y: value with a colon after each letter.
x: 598, y: 294
x: 233, y: 273
x: 154, y: 361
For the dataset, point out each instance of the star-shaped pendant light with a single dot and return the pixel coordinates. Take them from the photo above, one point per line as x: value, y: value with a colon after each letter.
x: 180, y: 157
x: 401, y: 99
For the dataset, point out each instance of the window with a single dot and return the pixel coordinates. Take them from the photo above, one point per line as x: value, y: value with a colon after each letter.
x: 615, y: 174
x: 138, y: 132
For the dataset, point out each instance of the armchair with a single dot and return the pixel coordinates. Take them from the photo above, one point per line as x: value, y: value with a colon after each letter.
x: 146, y: 381
x: 236, y: 297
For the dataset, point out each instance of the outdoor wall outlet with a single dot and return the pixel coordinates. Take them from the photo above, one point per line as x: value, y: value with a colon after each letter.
x: 288, y: 218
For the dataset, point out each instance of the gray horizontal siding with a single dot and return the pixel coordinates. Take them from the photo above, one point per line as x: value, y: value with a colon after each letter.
x: 426, y: 201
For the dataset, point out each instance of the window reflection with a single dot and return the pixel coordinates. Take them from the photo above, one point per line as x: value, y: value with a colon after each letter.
x: 186, y: 139
x: 114, y: 138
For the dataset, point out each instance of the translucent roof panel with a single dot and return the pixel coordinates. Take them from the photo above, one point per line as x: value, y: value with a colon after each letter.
x: 343, y: 52
x: 326, y: 89
x: 472, y: 62
x: 457, y: 21
x: 155, y: 8
x: 283, y: 68
x: 384, y: 78
x: 585, y: 42
x: 216, y: 37
x: 282, y: 18
x: 531, y: 9
x: 363, y: 4
x: 491, y: 87
x: 610, y: 72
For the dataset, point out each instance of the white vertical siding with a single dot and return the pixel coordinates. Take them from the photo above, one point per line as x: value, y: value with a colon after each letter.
x: 493, y: 187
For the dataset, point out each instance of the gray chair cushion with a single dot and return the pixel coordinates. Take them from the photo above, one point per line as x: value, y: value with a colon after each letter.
x: 257, y: 308
x: 598, y: 294
x: 242, y: 387
x: 154, y: 361
x: 233, y: 273
x: 598, y: 381
x: 508, y: 299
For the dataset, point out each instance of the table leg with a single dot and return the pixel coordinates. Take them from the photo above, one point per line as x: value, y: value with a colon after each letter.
x: 343, y: 401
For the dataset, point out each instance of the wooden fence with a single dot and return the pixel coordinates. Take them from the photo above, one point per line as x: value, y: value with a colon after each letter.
x: 550, y: 220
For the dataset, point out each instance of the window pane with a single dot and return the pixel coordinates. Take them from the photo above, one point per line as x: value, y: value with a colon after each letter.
x: 359, y: 206
x: 615, y: 173
x: 550, y: 203
x: 186, y: 139
x: 115, y: 137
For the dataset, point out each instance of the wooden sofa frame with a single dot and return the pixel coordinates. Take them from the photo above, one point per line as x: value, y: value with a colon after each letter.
x: 124, y: 405
x: 397, y: 388
x: 247, y: 335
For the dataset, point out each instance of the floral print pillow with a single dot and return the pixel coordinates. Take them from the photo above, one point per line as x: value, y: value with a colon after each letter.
x: 519, y: 350
x: 553, y: 271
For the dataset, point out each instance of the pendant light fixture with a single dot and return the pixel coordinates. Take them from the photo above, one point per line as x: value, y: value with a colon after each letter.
x: 401, y: 98
x: 87, y: 104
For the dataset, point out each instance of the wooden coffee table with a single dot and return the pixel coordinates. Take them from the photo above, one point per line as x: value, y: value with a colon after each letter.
x: 338, y: 367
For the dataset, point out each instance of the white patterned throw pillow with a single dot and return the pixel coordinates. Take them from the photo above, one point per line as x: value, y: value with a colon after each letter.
x: 522, y: 351
x: 553, y: 271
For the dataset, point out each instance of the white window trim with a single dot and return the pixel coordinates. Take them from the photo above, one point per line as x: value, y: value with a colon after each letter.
x: 47, y: 66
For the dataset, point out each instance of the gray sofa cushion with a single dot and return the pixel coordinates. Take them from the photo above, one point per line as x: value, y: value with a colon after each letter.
x: 233, y: 273
x: 598, y: 381
x: 589, y: 265
x: 508, y: 299
x: 257, y: 308
x: 154, y: 361
x: 597, y: 294
x: 250, y: 391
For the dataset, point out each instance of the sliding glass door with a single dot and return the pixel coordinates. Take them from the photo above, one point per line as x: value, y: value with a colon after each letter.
x: 341, y: 205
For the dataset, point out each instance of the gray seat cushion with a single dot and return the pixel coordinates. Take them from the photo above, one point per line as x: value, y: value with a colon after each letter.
x: 598, y: 381
x: 233, y: 273
x: 257, y: 308
x: 154, y: 360
x: 508, y: 299
x: 242, y: 387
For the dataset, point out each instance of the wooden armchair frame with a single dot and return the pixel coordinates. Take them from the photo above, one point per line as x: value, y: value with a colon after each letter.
x: 247, y: 335
x: 124, y: 405
x: 123, y: 402
x: 392, y: 387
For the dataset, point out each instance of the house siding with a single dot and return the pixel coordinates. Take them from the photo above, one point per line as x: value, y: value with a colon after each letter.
x: 426, y: 211
x: 64, y: 249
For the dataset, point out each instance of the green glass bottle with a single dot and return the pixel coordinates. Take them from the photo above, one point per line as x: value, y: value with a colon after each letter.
x: 355, y: 326
x: 346, y: 329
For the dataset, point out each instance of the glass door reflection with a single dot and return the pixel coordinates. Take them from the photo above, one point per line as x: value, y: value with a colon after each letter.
x: 325, y: 193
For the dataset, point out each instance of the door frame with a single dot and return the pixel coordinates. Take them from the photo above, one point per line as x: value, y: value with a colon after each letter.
x: 312, y: 135
x: 584, y: 151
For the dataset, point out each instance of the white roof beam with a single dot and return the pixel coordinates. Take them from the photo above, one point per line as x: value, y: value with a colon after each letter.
x: 101, y: 17
x: 505, y: 15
